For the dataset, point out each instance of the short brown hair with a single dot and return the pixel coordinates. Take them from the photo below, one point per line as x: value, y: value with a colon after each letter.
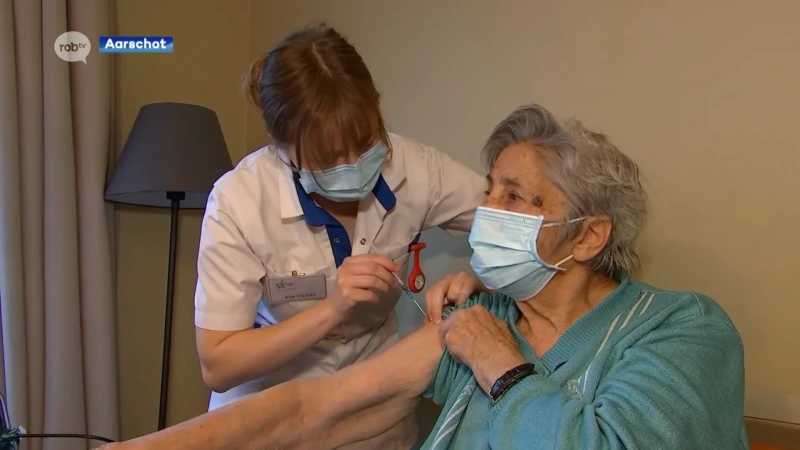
x: 317, y: 95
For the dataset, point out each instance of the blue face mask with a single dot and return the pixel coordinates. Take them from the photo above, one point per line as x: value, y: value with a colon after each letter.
x: 348, y: 182
x: 504, y: 252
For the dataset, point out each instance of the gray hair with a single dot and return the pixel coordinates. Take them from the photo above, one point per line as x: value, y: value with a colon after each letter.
x: 594, y: 175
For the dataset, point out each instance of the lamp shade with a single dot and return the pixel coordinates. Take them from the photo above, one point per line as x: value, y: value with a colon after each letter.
x: 172, y: 147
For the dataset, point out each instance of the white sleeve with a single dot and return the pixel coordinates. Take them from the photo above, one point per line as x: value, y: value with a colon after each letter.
x: 229, y: 274
x: 456, y: 191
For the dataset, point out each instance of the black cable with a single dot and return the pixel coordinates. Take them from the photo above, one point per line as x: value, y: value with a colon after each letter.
x: 66, y: 435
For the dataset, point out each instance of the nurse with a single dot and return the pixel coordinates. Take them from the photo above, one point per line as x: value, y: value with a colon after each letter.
x: 300, y: 240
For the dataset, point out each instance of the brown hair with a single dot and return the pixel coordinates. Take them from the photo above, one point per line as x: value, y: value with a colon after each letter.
x: 317, y: 95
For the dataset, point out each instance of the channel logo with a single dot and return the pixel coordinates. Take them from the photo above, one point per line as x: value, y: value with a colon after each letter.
x: 72, y: 46
x: 136, y: 44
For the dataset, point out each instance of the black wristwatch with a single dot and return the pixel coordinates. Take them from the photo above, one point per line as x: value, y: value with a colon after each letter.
x: 509, y: 379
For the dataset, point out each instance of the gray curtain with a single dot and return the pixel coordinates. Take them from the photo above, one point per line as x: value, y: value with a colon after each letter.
x: 58, y: 365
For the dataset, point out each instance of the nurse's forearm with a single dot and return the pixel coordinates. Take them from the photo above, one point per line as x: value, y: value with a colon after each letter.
x: 230, y: 359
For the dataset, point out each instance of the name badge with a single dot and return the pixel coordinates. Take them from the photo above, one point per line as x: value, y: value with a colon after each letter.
x: 292, y: 289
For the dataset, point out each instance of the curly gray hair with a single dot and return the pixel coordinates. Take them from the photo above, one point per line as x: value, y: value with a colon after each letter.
x: 594, y: 175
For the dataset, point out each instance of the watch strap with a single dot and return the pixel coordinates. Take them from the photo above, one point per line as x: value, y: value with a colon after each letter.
x: 509, y: 379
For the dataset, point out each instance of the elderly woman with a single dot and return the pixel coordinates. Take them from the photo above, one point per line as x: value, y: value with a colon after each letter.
x: 567, y: 351
x: 561, y: 350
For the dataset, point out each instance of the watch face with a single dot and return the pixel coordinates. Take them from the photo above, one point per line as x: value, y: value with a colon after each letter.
x: 419, y: 282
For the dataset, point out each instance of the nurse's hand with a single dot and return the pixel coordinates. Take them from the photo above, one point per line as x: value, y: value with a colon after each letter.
x: 362, y: 279
x: 454, y: 289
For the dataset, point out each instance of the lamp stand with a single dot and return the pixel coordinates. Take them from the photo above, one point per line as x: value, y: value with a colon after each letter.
x: 175, y: 198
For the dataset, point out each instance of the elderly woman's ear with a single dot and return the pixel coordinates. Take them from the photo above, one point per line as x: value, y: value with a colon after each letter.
x: 592, y: 239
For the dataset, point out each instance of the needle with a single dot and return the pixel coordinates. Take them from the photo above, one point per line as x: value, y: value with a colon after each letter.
x: 410, y: 294
x: 405, y: 288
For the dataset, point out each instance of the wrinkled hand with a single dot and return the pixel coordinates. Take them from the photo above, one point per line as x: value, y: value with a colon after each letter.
x: 481, y: 341
x: 362, y: 279
x: 454, y: 289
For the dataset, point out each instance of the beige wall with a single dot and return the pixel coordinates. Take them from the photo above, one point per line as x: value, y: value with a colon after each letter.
x: 701, y: 94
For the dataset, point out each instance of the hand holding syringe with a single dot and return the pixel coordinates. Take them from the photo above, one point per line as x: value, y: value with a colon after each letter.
x: 403, y: 286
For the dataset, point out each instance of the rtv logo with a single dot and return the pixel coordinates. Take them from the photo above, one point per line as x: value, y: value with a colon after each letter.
x: 73, y: 46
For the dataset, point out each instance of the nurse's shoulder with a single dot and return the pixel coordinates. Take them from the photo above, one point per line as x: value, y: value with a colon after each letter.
x: 415, y: 157
x: 253, y: 185
x: 431, y: 182
x: 256, y: 171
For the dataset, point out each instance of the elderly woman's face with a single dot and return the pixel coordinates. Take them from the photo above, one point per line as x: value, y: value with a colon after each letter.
x: 517, y: 183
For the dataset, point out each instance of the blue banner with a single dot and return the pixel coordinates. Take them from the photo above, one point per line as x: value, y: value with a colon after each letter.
x: 135, y: 44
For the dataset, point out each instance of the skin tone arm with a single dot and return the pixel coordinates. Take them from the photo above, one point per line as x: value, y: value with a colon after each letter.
x: 230, y: 358
x: 353, y: 404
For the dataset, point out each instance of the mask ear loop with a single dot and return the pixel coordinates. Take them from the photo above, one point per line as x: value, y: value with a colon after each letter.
x: 566, y: 222
x: 557, y: 265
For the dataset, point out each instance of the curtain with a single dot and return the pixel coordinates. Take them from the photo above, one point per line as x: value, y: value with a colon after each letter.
x: 58, y: 362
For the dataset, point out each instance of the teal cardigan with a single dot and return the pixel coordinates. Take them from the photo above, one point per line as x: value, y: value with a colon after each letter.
x: 644, y: 369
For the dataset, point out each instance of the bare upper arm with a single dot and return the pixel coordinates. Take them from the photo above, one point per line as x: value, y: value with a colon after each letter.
x: 358, y: 402
x: 366, y: 399
x: 404, y: 370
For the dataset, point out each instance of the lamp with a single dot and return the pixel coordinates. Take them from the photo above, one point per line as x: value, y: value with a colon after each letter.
x: 174, y: 154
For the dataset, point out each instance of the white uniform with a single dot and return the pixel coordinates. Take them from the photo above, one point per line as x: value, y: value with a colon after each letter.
x: 260, y: 224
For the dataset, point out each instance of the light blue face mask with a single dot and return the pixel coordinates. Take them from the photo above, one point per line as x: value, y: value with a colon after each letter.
x: 348, y: 182
x: 504, y: 252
